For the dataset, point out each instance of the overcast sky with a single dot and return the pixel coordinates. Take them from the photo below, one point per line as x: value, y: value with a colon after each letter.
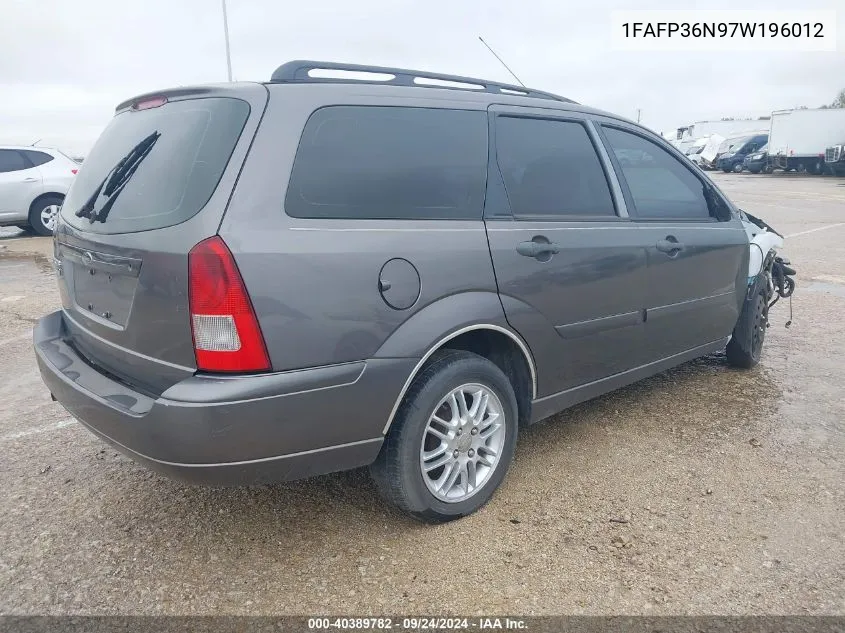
x: 66, y: 64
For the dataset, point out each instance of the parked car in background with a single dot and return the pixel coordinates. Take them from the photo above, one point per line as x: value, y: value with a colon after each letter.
x: 267, y: 281
x: 33, y: 184
x: 758, y: 161
x: 834, y: 159
x: 733, y: 159
x: 725, y: 147
x: 694, y: 152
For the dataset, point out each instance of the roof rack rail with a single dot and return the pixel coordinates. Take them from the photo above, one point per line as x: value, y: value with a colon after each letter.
x: 299, y: 71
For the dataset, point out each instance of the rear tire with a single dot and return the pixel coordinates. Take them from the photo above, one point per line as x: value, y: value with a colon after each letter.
x: 737, y: 168
x: 424, y: 465
x: 746, y: 345
x: 43, y: 214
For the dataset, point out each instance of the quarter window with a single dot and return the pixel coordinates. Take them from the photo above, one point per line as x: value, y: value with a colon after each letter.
x: 551, y: 169
x: 37, y: 158
x: 377, y: 162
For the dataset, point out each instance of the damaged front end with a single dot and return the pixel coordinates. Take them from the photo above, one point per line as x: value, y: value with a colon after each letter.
x: 770, y: 278
x: 765, y: 266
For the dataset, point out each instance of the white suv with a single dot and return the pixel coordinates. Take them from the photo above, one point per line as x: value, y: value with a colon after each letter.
x: 33, y: 184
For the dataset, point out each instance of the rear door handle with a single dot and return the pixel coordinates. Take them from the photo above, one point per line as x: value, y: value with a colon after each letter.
x: 537, y: 249
x: 670, y: 246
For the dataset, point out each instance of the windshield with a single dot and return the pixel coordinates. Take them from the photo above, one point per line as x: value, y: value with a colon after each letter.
x: 735, y: 144
x: 156, y: 167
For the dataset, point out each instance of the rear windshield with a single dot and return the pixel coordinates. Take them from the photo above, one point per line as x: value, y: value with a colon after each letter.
x: 177, y: 153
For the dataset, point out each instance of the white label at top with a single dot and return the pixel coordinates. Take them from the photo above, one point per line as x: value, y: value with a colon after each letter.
x: 724, y: 30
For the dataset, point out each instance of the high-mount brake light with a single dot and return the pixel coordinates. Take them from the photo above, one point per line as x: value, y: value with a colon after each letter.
x: 146, y: 104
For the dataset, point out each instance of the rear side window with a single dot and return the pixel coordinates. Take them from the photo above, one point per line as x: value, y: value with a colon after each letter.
x: 12, y: 160
x: 37, y: 158
x: 363, y: 162
x: 176, y: 154
x: 660, y: 186
x: 551, y: 169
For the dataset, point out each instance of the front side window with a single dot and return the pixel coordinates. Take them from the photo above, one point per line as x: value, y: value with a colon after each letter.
x: 378, y: 162
x: 12, y: 160
x: 660, y: 186
x: 551, y: 169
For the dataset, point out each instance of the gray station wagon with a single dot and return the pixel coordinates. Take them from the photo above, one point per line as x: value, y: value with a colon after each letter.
x: 269, y: 281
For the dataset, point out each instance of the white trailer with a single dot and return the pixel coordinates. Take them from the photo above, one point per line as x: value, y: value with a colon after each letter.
x: 798, y: 138
x: 726, y: 129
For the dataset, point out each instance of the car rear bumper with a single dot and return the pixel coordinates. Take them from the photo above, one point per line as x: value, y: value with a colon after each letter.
x: 237, y: 430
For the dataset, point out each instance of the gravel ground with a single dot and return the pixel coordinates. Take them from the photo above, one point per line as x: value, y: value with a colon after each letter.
x: 701, y: 490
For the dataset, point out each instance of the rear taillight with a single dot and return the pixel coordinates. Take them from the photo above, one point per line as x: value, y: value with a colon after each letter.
x: 227, y: 337
x: 73, y: 171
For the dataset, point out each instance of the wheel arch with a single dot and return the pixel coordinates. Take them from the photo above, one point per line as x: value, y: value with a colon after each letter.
x: 41, y: 196
x: 456, y: 337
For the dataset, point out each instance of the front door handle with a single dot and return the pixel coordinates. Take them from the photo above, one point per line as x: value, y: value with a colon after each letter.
x: 537, y: 249
x: 671, y: 246
x: 29, y: 179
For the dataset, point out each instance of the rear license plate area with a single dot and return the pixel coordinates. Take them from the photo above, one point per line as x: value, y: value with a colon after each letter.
x: 101, y: 285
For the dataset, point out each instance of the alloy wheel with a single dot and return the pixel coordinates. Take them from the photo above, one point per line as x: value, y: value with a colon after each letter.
x: 462, y: 442
x: 49, y: 215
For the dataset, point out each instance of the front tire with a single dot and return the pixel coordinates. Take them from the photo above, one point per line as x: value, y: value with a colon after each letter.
x: 452, y: 440
x: 737, y: 169
x: 43, y: 214
x: 746, y: 345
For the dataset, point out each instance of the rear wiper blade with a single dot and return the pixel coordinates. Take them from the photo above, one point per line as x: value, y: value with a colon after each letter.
x: 101, y: 201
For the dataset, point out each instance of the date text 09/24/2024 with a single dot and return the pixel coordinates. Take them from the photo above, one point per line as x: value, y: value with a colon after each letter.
x: 416, y: 624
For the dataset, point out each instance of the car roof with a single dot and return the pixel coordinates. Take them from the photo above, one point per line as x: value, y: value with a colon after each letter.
x: 336, y: 91
x: 37, y: 148
x: 425, y: 85
x: 404, y: 84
